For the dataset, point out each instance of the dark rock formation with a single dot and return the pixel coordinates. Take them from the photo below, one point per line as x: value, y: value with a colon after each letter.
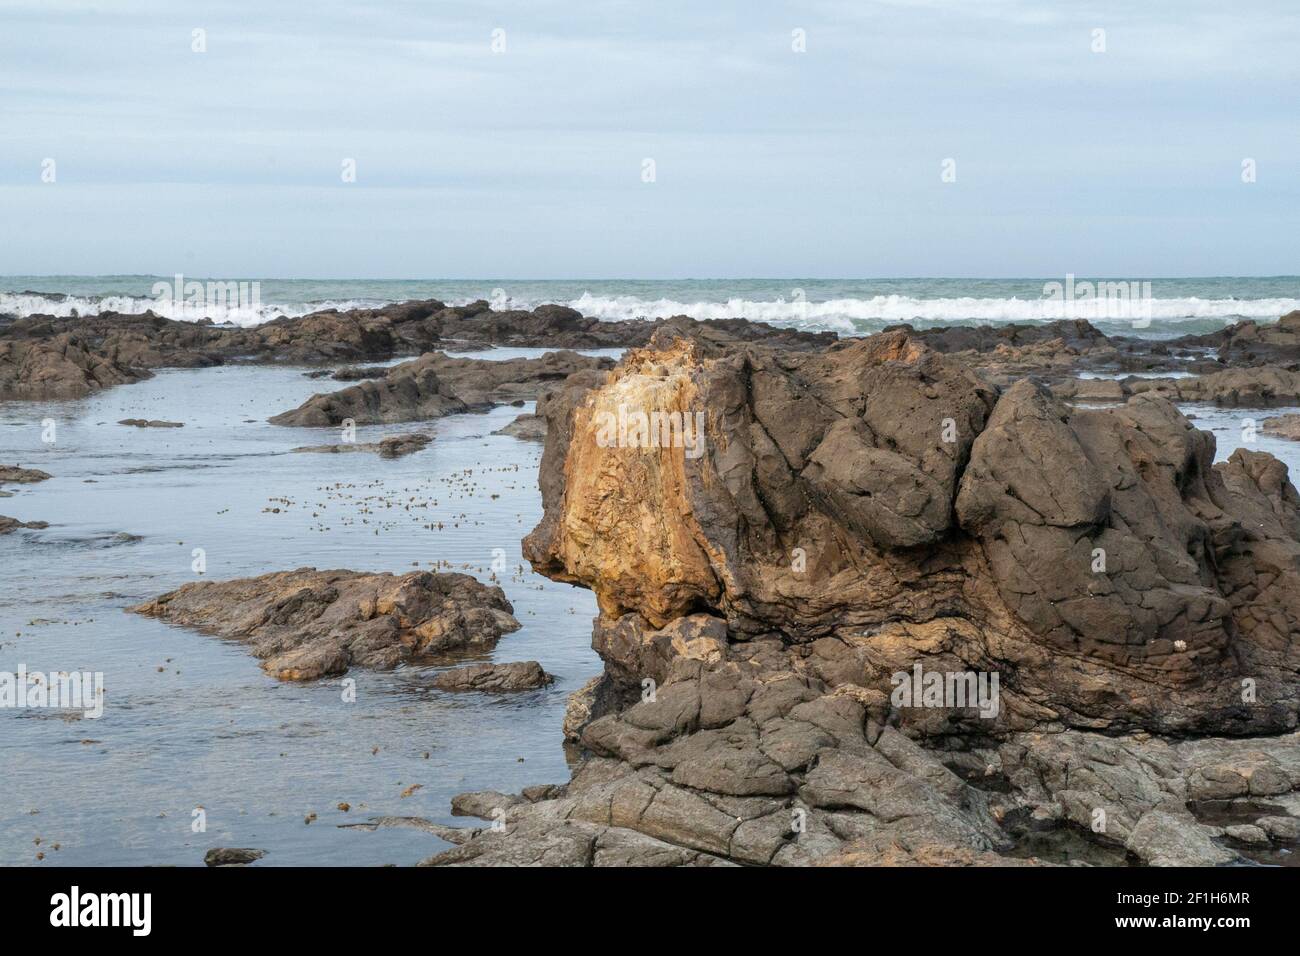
x: 394, y: 446
x: 13, y: 474
x: 9, y: 525
x: 232, y: 856
x: 435, y: 385
x: 1264, y: 386
x: 494, y: 678
x: 307, y: 624
x: 43, y: 357
x: 858, y: 522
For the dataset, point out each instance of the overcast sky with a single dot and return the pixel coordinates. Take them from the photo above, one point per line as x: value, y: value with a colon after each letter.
x: 528, y: 163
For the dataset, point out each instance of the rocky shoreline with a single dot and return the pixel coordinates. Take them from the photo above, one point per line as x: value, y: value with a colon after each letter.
x: 921, y: 598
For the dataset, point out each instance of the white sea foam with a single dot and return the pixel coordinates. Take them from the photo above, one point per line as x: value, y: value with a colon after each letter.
x: 841, y: 315
x: 28, y: 303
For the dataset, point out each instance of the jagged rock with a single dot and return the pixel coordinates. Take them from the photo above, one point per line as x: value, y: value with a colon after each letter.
x: 150, y: 423
x: 394, y: 446
x: 494, y: 678
x: 57, y: 366
x: 525, y: 428
x: 13, y: 474
x: 873, y: 495
x: 232, y: 856
x: 435, y: 385
x: 759, y: 602
x: 9, y: 525
x: 307, y: 624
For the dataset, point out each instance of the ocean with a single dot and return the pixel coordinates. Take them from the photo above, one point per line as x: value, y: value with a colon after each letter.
x: 1171, y: 307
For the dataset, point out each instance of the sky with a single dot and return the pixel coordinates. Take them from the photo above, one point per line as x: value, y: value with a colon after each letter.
x: 511, y: 139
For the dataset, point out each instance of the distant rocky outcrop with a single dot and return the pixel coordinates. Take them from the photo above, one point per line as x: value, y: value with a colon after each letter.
x: 1265, y: 386
x: 437, y: 384
x: 45, y: 357
x: 307, y: 624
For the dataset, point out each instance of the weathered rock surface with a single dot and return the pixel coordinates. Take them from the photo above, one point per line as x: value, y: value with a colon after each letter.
x: 394, y: 446
x: 871, y: 497
x: 437, y: 384
x: 864, y: 514
x: 307, y: 624
x: 494, y: 678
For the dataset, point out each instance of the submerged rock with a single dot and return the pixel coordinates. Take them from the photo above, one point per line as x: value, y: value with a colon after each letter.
x: 494, y: 678
x: 13, y: 474
x: 525, y: 428
x: 232, y: 856
x: 394, y: 446
x: 9, y: 525
x: 307, y: 624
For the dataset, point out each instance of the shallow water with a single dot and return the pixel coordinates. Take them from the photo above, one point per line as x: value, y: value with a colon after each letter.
x: 190, y: 720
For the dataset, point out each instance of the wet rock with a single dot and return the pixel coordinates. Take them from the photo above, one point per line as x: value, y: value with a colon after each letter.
x: 307, y: 624
x: 9, y: 525
x: 435, y: 385
x: 394, y: 446
x: 494, y: 678
x: 13, y: 474
x: 57, y: 365
x: 525, y: 428
x: 232, y: 856
x: 150, y: 423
